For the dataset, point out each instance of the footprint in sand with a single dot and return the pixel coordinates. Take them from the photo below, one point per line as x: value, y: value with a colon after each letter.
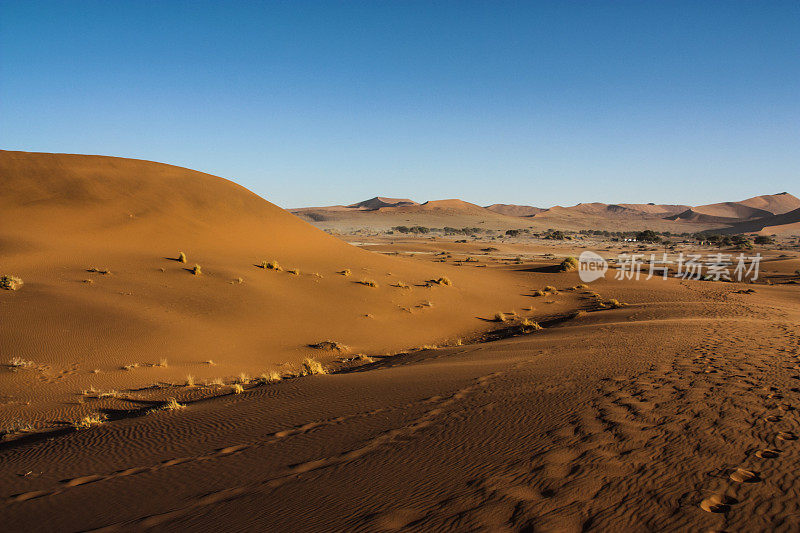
x: 767, y: 454
x: 717, y: 503
x: 787, y: 435
x: 741, y: 475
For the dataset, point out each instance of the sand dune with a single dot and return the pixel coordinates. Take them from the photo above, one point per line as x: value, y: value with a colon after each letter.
x: 783, y: 224
x: 734, y: 212
x: 514, y: 210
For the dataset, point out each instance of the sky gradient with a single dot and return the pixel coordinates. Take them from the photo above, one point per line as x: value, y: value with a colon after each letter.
x: 321, y: 103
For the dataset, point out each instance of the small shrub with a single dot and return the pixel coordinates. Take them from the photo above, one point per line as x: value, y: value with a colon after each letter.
x: 311, y: 367
x: 172, y: 405
x: 271, y: 376
x: 527, y: 325
x: 442, y: 281
x: 190, y: 380
x: 345, y: 272
x: 271, y: 265
x: 162, y: 363
x: 10, y: 283
x: 130, y: 366
x: 181, y: 257
x: 243, y: 378
x: 550, y: 290
x: 614, y: 304
x: 18, y: 362
x: 401, y: 285
x: 197, y: 270
x: 237, y: 388
x: 500, y: 317
x: 538, y: 292
x: 294, y: 271
x: 88, y: 421
x: 368, y: 283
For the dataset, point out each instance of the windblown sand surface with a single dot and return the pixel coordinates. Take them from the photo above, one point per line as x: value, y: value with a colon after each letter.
x: 676, y: 412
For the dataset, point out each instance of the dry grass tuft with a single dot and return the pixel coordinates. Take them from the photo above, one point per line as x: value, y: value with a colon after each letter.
x: 197, y: 270
x: 172, y: 405
x: 568, y: 264
x: 190, y: 380
x: 442, y: 281
x: 311, y: 367
x: 10, y: 283
x: 181, y: 257
x: 19, y: 362
x: 236, y: 388
x: 368, y: 283
x: 88, y: 421
x: 527, y: 325
x: 99, y: 270
x: 345, y: 272
x: 501, y: 317
x: 615, y: 304
x: 401, y: 285
x: 271, y: 376
x: 130, y: 366
x: 294, y: 271
x: 550, y: 290
x: 243, y: 378
x: 162, y: 363
x: 538, y: 292
x: 271, y: 265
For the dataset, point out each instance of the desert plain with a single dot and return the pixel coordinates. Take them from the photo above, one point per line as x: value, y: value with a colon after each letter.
x: 180, y: 354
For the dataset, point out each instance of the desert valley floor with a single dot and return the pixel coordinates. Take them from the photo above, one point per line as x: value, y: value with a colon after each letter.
x: 658, y: 405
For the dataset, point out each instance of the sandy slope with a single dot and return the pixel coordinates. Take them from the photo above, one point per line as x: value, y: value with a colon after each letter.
x: 61, y: 215
x: 620, y: 420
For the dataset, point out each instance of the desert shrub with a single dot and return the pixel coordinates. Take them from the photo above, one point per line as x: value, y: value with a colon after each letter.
x: 181, y: 257
x: 538, y: 292
x: 271, y: 376
x: 615, y: 304
x: 271, y: 265
x: 527, y: 325
x: 236, y: 388
x: 442, y: 281
x: 90, y: 420
x: 550, y: 290
x: 190, y: 380
x: 512, y: 232
x: 10, y: 283
x: 345, y: 272
x: 18, y: 362
x: 500, y: 317
x: 311, y: 367
x: 368, y: 283
x: 568, y: 264
x: 172, y: 405
x: 197, y: 270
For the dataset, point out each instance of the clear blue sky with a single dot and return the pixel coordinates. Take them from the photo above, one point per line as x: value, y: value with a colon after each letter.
x: 318, y: 103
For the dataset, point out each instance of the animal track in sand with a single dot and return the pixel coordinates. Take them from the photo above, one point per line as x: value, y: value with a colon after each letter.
x: 717, y: 503
x: 741, y: 475
x: 767, y: 454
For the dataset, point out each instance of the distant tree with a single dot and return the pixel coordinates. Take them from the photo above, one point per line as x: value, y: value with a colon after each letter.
x: 512, y: 232
x: 648, y: 236
x: 763, y: 239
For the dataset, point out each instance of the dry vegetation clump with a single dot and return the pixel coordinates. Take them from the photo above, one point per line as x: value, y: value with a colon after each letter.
x: 527, y: 325
x: 538, y: 292
x: 577, y: 314
x: 271, y: 265
x: 10, y: 283
x: 612, y: 304
x: 103, y: 271
x: 550, y: 290
x: 442, y: 281
x: 237, y: 281
x: 331, y: 346
x: 271, y: 376
x: 197, y: 270
x: 581, y: 286
x: 130, y: 366
x: 401, y: 285
x: 311, y: 367
x: 88, y: 421
x: 242, y: 378
x: 345, y: 272
x: 181, y: 257
x: 293, y: 271
x: 568, y: 264
x: 501, y: 317
x: 162, y: 363
x: 172, y: 405
x: 236, y: 388
x: 368, y: 283
x: 190, y: 380
x: 18, y: 362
